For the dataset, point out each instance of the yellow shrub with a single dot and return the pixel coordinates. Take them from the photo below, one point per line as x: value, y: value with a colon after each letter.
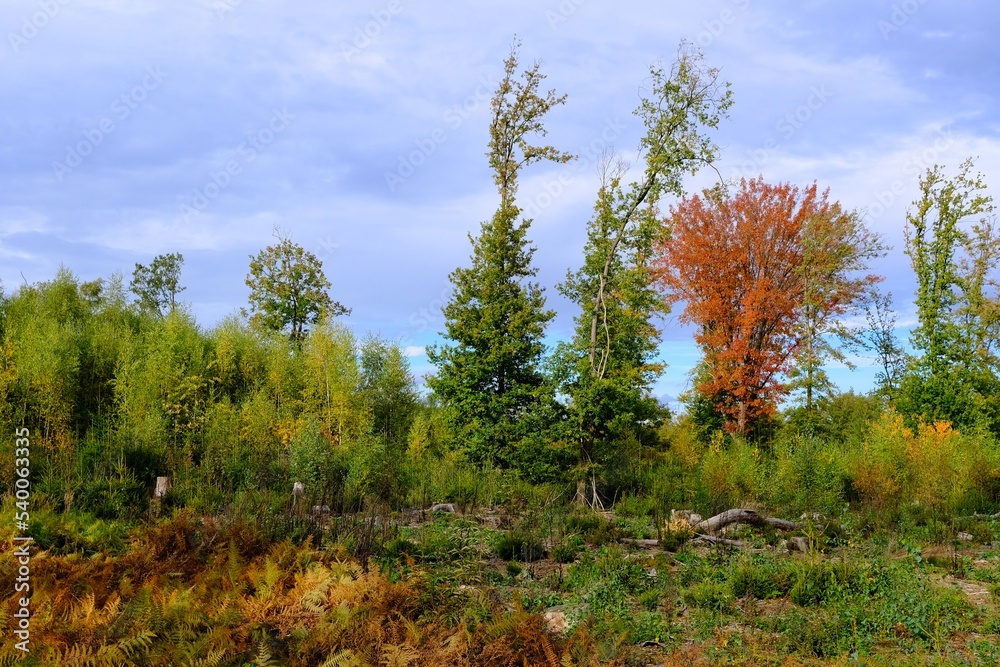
x: 880, y: 468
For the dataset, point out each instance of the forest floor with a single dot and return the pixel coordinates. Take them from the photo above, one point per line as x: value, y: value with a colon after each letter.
x: 498, y: 586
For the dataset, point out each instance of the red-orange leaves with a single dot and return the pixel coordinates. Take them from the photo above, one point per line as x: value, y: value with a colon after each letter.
x: 736, y: 262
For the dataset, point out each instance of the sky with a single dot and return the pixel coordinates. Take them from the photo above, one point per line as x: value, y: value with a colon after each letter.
x: 132, y: 129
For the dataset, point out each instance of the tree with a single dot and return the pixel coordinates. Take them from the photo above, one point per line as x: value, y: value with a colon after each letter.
x: 488, y: 374
x: 387, y: 387
x: 879, y: 338
x: 612, y: 357
x: 955, y: 376
x: 288, y: 289
x: 836, y: 251
x: 158, y: 284
x: 739, y: 263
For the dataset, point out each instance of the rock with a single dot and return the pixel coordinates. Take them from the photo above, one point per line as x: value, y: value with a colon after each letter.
x: 798, y: 544
x: 448, y: 508
x: 555, y: 617
x: 964, y: 537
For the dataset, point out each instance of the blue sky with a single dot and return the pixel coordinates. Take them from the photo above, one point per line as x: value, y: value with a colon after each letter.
x: 195, y: 126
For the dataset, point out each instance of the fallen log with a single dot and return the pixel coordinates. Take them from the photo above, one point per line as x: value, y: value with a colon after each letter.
x: 712, y: 539
x: 640, y: 543
x: 782, y: 524
x: 713, y: 525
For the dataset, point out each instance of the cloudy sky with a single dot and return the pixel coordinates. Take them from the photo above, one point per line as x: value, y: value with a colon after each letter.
x: 130, y: 129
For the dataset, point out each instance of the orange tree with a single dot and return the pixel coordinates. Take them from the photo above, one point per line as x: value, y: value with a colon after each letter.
x: 747, y: 264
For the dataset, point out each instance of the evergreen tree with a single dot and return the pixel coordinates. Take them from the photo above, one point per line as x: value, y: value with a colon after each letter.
x: 489, y: 375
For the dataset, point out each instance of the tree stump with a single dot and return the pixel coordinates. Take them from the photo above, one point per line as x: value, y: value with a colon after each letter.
x: 298, y: 497
x: 162, y: 487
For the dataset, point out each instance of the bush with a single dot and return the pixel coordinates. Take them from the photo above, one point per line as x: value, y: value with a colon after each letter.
x: 518, y: 545
x: 569, y: 550
x: 758, y: 579
x: 809, y: 476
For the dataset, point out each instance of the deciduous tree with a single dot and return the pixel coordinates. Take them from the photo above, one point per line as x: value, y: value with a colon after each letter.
x: 836, y: 250
x: 612, y: 357
x: 288, y: 289
x: 158, y: 284
x: 748, y: 266
x: 954, y: 248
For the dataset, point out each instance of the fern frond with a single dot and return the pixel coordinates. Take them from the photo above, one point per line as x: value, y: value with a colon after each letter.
x: 549, y: 651
x: 345, y: 658
x: 81, y: 655
x: 397, y: 655
x: 137, y: 645
x: 263, y: 657
x: 213, y: 659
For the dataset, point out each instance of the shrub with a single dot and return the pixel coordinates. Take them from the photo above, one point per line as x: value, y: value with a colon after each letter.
x: 757, y: 579
x: 809, y: 475
x: 518, y: 545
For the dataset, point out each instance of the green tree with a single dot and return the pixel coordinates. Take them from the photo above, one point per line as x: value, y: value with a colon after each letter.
x: 488, y: 373
x: 612, y: 357
x: 836, y: 250
x: 158, y: 284
x: 879, y: 338
x: 288, y: 289
x: 388, y: 389
x: 954, y: 378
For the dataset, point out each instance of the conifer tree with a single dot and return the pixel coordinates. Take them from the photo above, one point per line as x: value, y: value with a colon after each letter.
x: 489, y: 376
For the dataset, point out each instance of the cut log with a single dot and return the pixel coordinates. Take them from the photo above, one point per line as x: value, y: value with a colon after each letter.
x: 713, y: 525
x: 640, y: 543
x: 688, y: 515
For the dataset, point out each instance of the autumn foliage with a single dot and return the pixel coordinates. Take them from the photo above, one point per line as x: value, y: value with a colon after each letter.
x: 741, y: 264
